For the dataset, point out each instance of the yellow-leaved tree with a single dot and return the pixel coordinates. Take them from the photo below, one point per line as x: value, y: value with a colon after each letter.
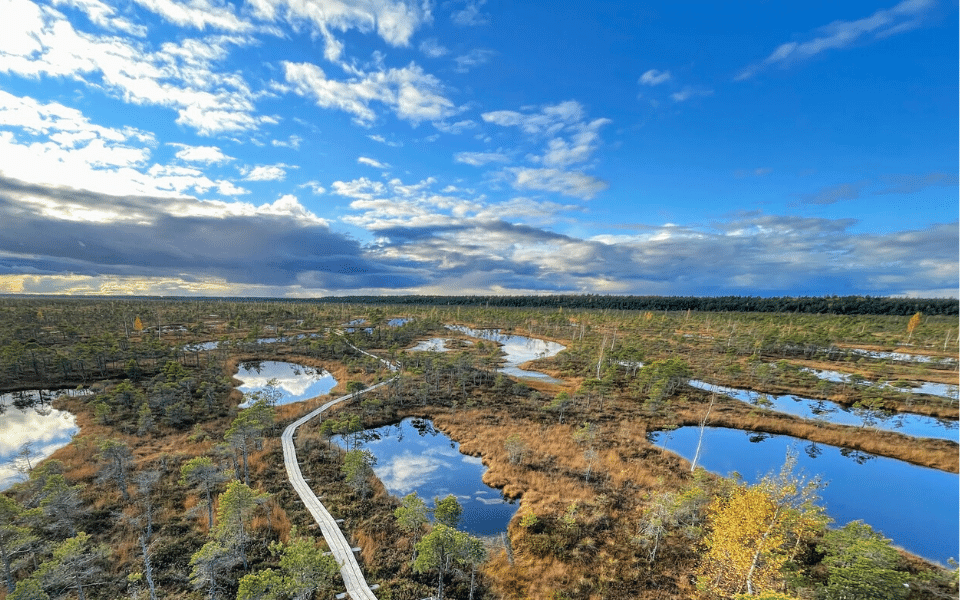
x: 138, y: 324
x: 753, y: 530
x: 913, y: 323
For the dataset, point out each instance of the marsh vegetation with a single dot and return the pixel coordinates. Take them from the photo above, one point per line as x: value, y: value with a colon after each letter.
x: 171, y: 489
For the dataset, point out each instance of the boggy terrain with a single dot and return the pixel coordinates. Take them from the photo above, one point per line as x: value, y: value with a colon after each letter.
x: 604, y: 513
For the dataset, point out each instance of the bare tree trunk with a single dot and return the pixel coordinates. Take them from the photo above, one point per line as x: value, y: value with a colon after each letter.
x: 148, y: 569
x: 703, y: 425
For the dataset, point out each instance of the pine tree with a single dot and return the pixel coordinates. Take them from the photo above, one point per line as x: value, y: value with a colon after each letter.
x: 236, y: 505
x: 205, y: 474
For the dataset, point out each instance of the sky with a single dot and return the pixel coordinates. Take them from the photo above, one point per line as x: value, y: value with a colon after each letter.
x: 298, y: 148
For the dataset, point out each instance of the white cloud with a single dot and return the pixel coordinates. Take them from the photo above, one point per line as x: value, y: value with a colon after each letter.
x: 394, y: 20
x: 411, y: 94
x: 363, y: 160
x: 478, y: 159
x: 104, y: 16
x: 550, y: 120
x: 226, y: 188
x: 432, y: 48
x: 383, y: 140
x: 264, y: 172
x: 474, y: 58
x: 470, y: 14
x: 568, y: 183
x: 905, y: 16
x: 199, y: 14
x: 41, y: 41
x: 315, y: 187
x: 293, y: 141
x: 654, y: 77
x: 204, y: 154
x: 690, y: 92
x: 577, y: 147
x: 362, y: 188
x: 454, y: 128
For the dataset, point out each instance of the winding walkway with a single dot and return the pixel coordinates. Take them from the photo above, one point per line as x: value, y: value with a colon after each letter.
x: 353, y: 579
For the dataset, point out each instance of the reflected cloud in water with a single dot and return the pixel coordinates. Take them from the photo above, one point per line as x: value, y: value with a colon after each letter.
x: 295, y: 382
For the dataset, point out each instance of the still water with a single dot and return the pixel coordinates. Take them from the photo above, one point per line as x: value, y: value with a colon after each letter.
x: 294, y: 382
x: 44, y: 428
x: 914, y: 387
x: 412, y: 456
x: 914, y: 506
x: 518, y: 350
x: 831, y: 412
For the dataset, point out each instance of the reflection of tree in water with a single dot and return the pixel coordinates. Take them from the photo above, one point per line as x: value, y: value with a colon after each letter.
x: 947, y: 425
x: 252, y: 365
x: 757, y: 437
x: 857, y: 455
x: 813, y: 450
x: 423, y: 427
x: 822, y: 409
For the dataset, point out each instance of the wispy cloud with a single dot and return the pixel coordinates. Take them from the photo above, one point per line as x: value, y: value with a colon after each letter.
x: 470, y: 14
x: 654, y: 77
x: 199, y: 14
x: 568, y: 183
x: 182, y: 75
x: 265, y: 172
x: 891, y: 184
x: 472, y: 59
x: 456, y: 127
x: 690, y: 92
x: 908, y: 184
x: 478, y: 159
x: 410, y: 93
x: 293, y: 141
x: 568, y: 139
x: 202, y: 154
x: 432, y: 48
x: 385, y: 141
x: 905, y: 16
x: 395, y: 21
x: 104, y: 16
x: 363, y: 160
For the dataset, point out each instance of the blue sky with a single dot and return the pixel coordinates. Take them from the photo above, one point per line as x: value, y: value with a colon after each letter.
x: 299, y: 148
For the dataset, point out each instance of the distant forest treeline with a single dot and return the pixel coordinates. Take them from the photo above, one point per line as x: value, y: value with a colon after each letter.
x: 839, y: 305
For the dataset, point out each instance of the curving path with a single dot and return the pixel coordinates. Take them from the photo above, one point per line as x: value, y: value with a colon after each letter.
x: 353, y: 579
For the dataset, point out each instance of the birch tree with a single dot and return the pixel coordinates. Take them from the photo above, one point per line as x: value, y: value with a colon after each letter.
x: 754, y: 530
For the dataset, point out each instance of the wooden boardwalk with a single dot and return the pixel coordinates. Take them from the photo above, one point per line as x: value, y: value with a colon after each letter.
x: 353, y: 579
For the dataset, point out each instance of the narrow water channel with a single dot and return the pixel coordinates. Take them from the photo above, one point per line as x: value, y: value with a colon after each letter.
x: 914, y: 506
x: 831, y: 412
x: 413, y: 456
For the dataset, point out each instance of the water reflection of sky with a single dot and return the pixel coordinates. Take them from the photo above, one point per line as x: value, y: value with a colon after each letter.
x: 414, y: 457
x: 518, y: 350
x: 831, y: 412
x: 902, y: 356
x: 914, y: 506
x: 295, y: 382
x: 431, y: 345
x: 916, y: 387
x: 47, y: 428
